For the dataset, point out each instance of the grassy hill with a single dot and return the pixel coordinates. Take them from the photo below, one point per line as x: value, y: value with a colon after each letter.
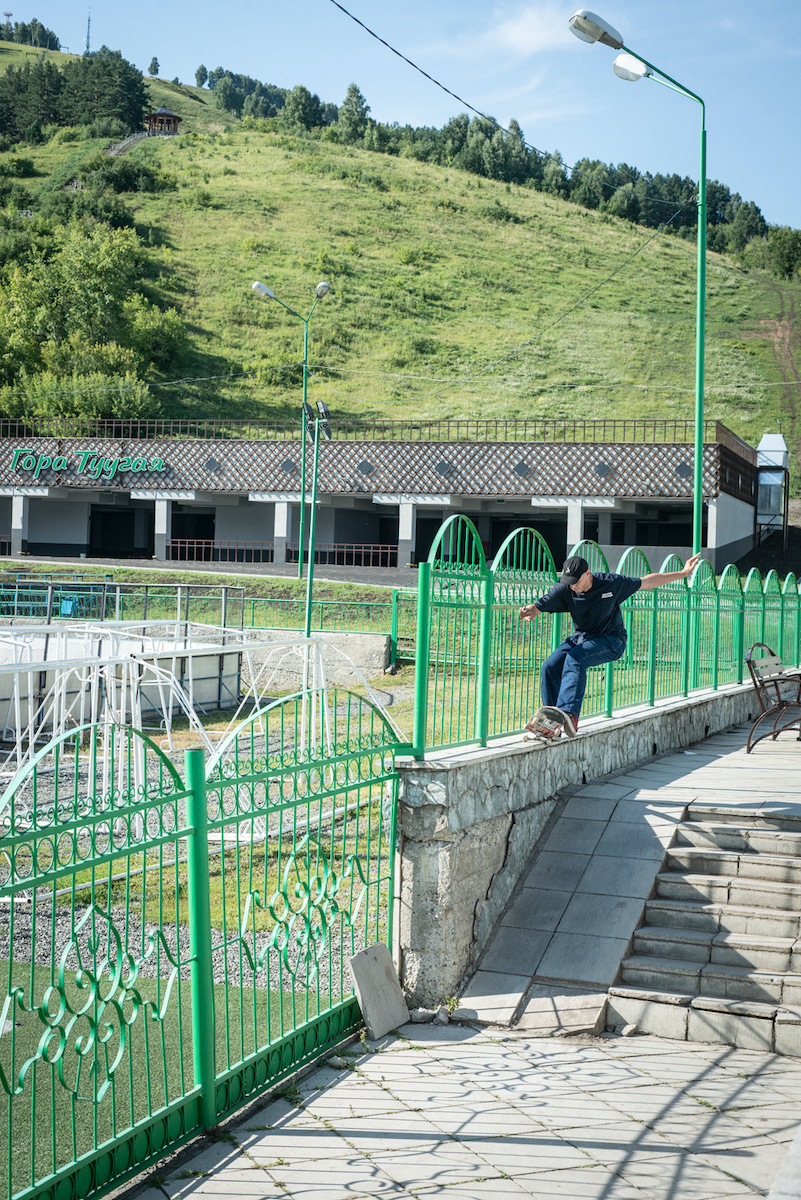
x: 451, y: 295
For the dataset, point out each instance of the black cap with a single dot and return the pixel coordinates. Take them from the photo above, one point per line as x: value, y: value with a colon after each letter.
x: 573, y: 570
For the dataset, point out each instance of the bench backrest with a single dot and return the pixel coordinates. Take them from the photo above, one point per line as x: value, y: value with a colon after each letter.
x: 768, y: 676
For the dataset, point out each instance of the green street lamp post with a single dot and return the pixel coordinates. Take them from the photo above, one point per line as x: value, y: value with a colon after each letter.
x: 632, y: 67
x: 321, y: 290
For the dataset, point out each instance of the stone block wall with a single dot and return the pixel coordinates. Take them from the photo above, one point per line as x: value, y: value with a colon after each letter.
x: 470, y: 820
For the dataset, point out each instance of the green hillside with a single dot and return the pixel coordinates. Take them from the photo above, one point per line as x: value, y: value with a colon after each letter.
x: 451, y: 295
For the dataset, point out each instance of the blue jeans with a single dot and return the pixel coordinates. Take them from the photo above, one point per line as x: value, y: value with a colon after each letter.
x: 563, y: 679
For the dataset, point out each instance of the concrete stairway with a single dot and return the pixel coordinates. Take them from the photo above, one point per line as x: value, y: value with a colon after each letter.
x: 718, y: 955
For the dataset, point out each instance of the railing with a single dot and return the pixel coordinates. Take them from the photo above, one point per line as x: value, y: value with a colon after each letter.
x: 528, y: 430
x: 175, y: 936
x: 49, y: 600
x: 478, y: 663
x: 209, y: 550
x: 346, y: 554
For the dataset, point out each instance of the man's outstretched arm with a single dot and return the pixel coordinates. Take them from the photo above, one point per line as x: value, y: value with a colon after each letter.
x: 655, y: 580
x: 530, y: 612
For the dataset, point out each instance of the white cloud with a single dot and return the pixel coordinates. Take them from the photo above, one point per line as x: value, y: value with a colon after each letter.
x: 531, y: 29
x: 521, y: 30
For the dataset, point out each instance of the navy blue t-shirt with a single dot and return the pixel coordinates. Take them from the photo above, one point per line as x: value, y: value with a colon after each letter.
x: 597, y: 611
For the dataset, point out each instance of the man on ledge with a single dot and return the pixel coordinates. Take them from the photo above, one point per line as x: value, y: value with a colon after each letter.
x: 593, y: 601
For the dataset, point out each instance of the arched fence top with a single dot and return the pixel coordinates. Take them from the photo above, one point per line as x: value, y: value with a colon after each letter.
x: 371, y: 730
x: 593, y: 554
x: 703, y: 578
x: 633, y: 563
x: 753, y: 583
x: 791, y: 586
x: 52, y: 747
x: 457, y: 547
x: 772, y: 585
x: 673, y: 562
x: 524, y: 551
x: 730, y: 581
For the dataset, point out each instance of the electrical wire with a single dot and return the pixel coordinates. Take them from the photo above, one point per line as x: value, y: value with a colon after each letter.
x: 544, y: 153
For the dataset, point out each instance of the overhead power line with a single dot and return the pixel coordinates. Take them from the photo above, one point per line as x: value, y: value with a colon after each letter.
x: 486, y: 117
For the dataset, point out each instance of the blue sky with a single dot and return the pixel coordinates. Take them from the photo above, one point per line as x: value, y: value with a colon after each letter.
x: 509, y: 59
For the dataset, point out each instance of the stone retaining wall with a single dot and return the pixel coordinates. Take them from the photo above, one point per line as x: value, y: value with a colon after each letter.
x: 470, y: 821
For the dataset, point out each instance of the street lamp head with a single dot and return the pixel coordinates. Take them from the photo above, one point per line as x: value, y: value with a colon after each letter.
x: 261, y: 289
x: 627, y: 67
x: 322, y: 289
x: 591, y: 28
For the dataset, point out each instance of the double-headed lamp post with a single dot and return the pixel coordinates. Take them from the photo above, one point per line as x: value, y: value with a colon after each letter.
x: 632, y: 67
x: 321, y: 290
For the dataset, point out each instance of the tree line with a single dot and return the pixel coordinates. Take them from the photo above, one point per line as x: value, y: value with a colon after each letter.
x: 247, y: 97
x: 100, y: 85
x: 479, y: 145
x: 29, y: 33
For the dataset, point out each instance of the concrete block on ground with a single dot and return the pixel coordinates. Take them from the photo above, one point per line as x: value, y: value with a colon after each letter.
x: 663, y: 1018
x: 551, y: 1009
x: 378, y: 990
x: 730, y: 1029
x: 787, y: 1035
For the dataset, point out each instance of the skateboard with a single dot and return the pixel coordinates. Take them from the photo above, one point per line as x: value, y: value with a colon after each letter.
x: 547, y: 725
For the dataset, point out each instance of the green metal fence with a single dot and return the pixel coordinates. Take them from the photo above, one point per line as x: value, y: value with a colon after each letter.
x: 50, y: 600
x: 174, y: 937
x: 478, y: 663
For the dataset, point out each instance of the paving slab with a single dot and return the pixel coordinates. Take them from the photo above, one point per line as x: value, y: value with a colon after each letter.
x: 514, y: 1116
x: 537, y: 908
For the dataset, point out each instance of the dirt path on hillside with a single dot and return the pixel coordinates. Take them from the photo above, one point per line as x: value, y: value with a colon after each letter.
x: 784, y: 351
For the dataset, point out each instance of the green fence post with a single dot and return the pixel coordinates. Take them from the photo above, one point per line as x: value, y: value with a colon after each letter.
x: 423, y: 657
x: 609, y: 688
x: 393, y: 632
x: 485, y: 654
x: 740, y: 647
x: 686, y: 642
x: 653, y: 636
x: 202, y: 976
x: 716, y: 642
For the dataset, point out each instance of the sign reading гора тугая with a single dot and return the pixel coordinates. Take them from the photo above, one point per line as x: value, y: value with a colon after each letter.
x: 89, y: 463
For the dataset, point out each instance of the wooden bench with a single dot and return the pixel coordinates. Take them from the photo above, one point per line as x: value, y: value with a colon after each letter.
x: 778, y: 690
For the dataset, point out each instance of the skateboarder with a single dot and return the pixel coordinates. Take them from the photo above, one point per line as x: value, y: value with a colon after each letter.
x: 593, y: 601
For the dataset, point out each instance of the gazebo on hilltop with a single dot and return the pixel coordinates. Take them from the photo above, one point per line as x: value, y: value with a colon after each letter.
x: 162, y: 121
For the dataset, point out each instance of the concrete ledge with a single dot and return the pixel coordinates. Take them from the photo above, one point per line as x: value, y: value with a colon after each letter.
x: 470, y: 819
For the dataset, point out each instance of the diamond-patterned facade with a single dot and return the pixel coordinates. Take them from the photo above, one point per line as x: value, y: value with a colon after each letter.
x: 504, y: 469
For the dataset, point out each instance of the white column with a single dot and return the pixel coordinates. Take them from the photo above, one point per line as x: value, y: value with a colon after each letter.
x: 407, y: 531
x: 281, y: 519
x: 20, y: 508
x: 575, y: 523
x: 162, y: 531
x: 604, y: 529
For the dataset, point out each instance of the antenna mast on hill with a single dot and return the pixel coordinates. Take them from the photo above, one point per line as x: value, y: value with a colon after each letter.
x: 8, y: 17
x: 88, y: 27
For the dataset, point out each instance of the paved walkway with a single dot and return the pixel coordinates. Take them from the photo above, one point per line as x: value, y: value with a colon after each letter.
x: 466, y: 1113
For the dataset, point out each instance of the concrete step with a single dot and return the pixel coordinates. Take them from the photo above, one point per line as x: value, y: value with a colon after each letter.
x: 726, y: 836
x: 702, y: 888
x: 710, y: 861
x: 755, y: 951
x: 726, y: 981
x: 723, y: 918
x: 748, y: 1024
x: 745, y: 817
